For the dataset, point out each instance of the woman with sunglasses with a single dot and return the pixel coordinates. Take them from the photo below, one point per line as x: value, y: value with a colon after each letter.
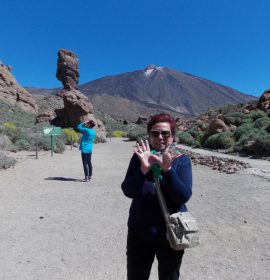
x: 146, y: 226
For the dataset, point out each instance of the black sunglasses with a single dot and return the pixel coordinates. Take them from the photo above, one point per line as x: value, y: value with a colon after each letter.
x: 164, y: 133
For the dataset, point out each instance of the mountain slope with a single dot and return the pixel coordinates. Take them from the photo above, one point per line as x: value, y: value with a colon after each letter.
x: 154, y: 89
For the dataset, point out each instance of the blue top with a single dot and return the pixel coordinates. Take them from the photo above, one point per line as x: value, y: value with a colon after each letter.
x: 88, y: 137
x: 145, y: 215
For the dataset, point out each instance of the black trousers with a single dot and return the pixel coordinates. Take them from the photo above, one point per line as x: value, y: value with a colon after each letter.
x: 87, y: 164
x: 141, y: 254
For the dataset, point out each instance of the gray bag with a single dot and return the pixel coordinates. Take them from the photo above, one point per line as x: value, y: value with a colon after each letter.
x: 182, y: 229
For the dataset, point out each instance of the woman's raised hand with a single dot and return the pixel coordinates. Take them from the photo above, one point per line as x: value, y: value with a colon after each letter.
x: 142, y: 150
x: 167, y: 158
x: 164, y: 160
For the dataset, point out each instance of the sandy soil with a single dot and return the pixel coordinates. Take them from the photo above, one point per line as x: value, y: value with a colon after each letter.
x: 53, y: 226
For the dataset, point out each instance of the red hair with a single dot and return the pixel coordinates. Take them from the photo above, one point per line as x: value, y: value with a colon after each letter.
x: 163, y: 117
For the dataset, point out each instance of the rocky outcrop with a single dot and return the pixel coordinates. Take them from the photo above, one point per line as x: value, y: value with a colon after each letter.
x: 77, y: 106
x: 46, y: 117
x: 68, y: 69
x: 12, y: 93
x: 264, y: 101
x: 141, y: 120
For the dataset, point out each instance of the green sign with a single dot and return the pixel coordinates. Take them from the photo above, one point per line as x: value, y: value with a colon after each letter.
x: 52, y: 131
x: 56, y: 131
x: 47, y: 130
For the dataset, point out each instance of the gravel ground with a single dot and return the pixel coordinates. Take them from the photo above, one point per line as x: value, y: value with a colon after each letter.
x: 53, y: 226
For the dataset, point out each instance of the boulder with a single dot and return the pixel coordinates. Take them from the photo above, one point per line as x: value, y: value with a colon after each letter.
x: 216, y: 125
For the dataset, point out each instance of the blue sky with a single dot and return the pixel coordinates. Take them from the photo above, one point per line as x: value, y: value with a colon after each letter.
x: 224, y: 41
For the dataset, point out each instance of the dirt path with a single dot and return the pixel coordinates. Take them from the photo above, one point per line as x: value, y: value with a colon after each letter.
x: 55, y: 227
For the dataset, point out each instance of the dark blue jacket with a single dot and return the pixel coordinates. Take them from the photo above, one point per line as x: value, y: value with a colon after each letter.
x: 145, y: 216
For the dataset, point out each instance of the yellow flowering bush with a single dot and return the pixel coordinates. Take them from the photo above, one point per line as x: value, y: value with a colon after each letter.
x: 9, y: 126
x: 119, y: 133
x: 71, y: 135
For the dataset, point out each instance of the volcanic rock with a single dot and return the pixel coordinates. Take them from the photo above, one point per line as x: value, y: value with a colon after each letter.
x: 264, y: 101
x: 77, y: 106
x: 216, y: 125
x: 12, y: 93
x: 68, y: 69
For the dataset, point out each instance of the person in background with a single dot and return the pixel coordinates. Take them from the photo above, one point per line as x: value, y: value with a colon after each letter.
x: 146, y: 237
x: 86, y: 146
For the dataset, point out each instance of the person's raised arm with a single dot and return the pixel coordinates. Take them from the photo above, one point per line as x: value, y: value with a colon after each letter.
x: 81, y: 126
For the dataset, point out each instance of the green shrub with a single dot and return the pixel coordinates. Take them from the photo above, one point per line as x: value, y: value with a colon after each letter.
x: 59, y: 145
x: 262, y: 145
x: 193, y: 132
x: 4, y: 142
x: 99, y: 139
x: 252, y: 134
x: 257, y: 114
x: 6, y: 161
x: 44, y: 142
x: 71, y: 136
x: 110, y: 123
x: 198, y: 139
x: 247, y: 120
x: 239, y: 147
x: 136, y: 133
x: 119, y: 133
x: 203, y: 126
x: 19, y: 117
x: 223, y: 140
x: 243, y: 130
x: 22, y: 139
x: 262, y: 123
x: 22, y: 144
x: 13, y: 148
x: 236, y: 118
x: 14, y: 134
x: 186, y: 138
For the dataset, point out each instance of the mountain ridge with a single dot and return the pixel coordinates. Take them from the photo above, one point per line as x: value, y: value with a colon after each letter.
x: 154, y: 89
x: 166, y: 88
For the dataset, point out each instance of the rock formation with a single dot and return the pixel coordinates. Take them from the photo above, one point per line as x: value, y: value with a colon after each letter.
x: 45, y: 117
x: 216, y: 125
x: 264, y: 101
x: 68, y: 69
x: 77, y: 106
x: 12, y: 93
